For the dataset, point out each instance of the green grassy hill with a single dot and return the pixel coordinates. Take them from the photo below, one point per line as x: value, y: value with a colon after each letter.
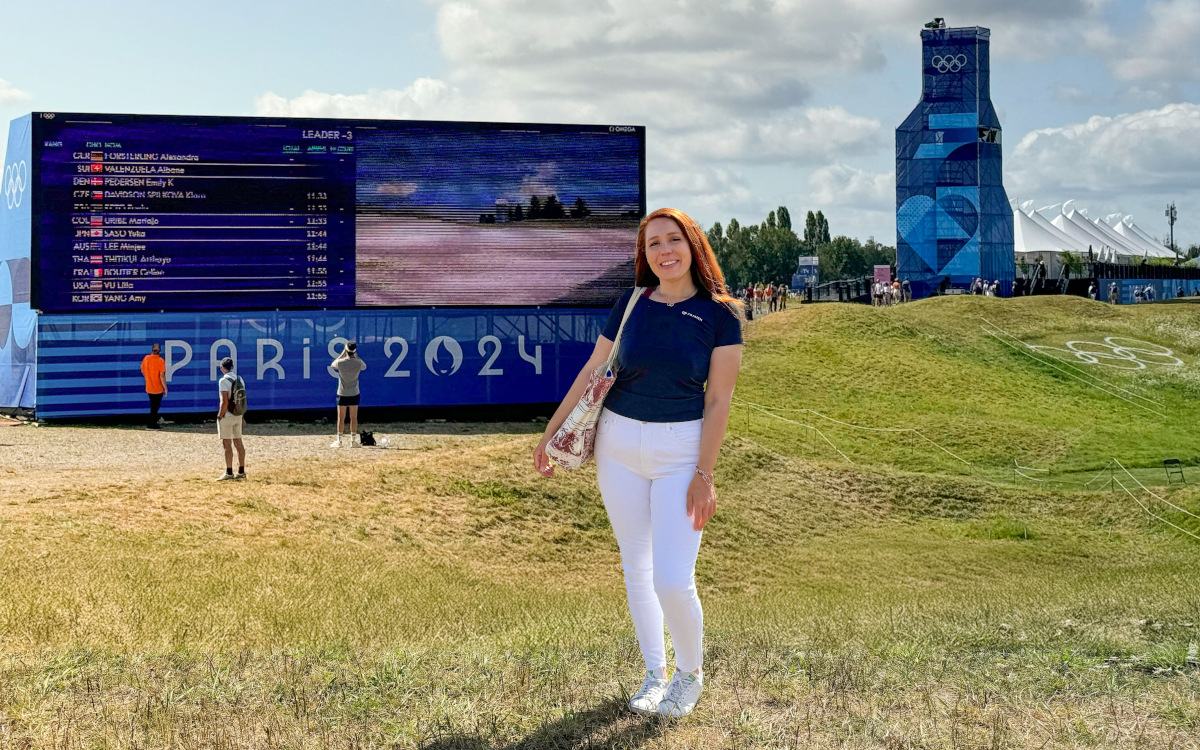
x: 958, y: 369
x: 444, y: 595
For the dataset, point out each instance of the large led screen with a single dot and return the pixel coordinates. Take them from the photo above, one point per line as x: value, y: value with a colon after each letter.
x: 177, y: 213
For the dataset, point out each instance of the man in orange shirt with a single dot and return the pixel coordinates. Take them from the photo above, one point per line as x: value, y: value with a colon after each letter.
x: 154, y: 369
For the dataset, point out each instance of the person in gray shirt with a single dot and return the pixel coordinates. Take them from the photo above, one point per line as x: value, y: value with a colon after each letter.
x: 348, y: 366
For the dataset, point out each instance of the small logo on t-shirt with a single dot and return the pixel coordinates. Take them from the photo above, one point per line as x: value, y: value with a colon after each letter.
x: 692, y: 315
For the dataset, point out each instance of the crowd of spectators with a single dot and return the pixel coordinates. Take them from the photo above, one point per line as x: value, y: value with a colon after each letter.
x: 764, y: 298
x: 886, y: 293
x: 985, y: 287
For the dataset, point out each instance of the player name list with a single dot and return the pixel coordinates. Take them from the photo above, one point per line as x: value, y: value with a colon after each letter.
x: 262, y: 221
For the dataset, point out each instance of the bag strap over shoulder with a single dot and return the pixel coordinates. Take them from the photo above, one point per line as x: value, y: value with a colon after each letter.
x: 638, y: 293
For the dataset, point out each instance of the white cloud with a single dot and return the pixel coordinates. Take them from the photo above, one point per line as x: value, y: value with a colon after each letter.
x: 809, y: 136
x: 842, y: 185
x: 1163, y: 48
x: 665, y: 61
x: 544, y: 181
x: 1152, y: 151
x: 10, y: 94
x: 723, y: 86
x: 424, y: 98
x: 708, y: 192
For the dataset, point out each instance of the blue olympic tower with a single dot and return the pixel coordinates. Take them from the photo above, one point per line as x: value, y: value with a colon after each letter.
x: 953, y: 220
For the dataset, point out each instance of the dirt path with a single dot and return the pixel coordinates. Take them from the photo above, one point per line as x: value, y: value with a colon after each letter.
x: 44, y: 453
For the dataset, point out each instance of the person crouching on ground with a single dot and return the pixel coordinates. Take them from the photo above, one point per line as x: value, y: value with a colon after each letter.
x: 229, y: 423
x: 348, y: 366
x: 658, y: 438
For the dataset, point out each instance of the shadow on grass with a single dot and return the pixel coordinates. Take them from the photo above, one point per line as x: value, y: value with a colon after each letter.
x: 609, y: 725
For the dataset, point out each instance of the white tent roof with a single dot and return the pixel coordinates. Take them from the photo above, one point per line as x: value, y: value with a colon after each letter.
x: 1114, y: 239
x: 1155, y: 250
x: 1031, y: 237
x: 1082, y: 230
x: 1065, y: 239
x: 1070, y: 229
x: 1137, y: 231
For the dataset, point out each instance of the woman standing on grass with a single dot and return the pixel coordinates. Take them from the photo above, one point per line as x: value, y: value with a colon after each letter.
x: 657, y: 441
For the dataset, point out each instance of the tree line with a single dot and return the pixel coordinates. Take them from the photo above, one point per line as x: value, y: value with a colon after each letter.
x: 769, y: 252
x: 540, y: 208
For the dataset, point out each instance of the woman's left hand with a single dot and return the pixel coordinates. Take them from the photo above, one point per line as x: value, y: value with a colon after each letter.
x: 701, y: 502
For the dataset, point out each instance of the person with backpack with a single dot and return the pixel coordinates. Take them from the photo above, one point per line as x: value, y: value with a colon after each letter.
x: 231, y: 415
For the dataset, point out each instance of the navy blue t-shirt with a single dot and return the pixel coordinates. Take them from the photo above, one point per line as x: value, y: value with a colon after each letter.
x: 662, y: 362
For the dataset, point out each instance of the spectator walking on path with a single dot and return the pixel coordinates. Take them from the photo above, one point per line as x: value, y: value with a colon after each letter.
x: 348, y: 365
x: 1114, y: 294
x: 231, y: 414
x: 154, y: 370
x: 657, y: 442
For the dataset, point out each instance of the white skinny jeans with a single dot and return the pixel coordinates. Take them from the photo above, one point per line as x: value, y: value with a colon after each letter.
x: 644, y: 470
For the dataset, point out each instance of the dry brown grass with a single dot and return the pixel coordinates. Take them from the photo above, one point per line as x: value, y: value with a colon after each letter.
x: 440, y: 594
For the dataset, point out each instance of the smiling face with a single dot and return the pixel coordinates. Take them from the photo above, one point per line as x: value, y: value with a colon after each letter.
x: 667, y: 250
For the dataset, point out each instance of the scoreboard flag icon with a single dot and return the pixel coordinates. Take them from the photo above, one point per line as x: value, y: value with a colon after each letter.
x: 97, y: 271
x: 97, y: 221
x: 96, y: 286
x: 98, y: 195
x: 97, y: 156
x: 97, y: 167
x: 96, y: 232
x: 97, y: 259
x: 97, y: 180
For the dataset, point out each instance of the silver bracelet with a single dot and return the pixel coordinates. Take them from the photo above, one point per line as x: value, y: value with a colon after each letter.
x: 706, y: 476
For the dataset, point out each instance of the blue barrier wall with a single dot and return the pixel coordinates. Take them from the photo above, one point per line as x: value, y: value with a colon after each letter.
x: 17, y: 321
x: 1163, y: 288
x: 953, y: 221
x: 89, y: 364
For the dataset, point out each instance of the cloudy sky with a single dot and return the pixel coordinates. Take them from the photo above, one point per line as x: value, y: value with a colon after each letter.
x: 749, y: 104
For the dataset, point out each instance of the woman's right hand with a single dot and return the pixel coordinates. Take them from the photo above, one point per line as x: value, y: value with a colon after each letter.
x: 541, y: 461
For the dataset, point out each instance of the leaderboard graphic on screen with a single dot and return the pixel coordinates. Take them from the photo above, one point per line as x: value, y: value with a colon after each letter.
x: 137, y: 212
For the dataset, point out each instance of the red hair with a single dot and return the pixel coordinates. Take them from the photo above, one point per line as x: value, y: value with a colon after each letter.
x: 706, y: 272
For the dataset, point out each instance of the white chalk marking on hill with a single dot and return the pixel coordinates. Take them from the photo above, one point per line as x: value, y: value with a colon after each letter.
x: 1080, y: 379
x: 1079, y: 370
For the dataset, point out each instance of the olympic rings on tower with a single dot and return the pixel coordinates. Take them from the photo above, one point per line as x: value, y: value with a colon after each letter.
x: 948, y: 63
x: 16, y: 179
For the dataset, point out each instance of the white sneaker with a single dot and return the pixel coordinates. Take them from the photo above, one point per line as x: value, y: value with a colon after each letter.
x: 337, y: 442
x: 355, y: 441
x: 646, y: 700
x: 681, y: 696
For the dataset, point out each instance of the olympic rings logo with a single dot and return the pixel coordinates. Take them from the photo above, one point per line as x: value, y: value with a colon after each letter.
x: 16, y: 179
x: 949, y: 63
x: 1115, y: 353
